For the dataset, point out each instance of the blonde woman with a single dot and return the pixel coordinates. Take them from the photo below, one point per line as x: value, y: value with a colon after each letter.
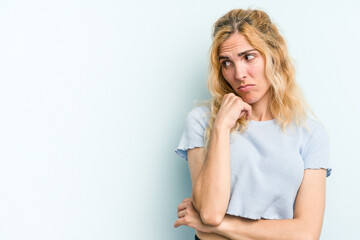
x: 258, y: 162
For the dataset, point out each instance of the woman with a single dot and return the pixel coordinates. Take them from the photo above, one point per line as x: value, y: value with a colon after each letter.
x: 258, y: 163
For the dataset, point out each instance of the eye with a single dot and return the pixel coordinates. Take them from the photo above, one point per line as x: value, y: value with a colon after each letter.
x: 226, y: 64
x: 249, y: 57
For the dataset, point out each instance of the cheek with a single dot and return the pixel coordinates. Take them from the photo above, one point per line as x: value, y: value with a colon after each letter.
x: 227, y: 75
x: 256, y: 71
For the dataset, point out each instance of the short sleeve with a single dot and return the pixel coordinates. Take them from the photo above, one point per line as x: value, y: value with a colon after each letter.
x: 193, y: 135
x: 317, y: 152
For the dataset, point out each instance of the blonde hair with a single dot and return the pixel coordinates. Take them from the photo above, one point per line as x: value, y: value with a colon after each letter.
x: 287, y: 103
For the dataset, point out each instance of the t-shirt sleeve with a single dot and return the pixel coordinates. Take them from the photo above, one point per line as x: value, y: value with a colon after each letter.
x: 193, y: 135
x: 317, y: 152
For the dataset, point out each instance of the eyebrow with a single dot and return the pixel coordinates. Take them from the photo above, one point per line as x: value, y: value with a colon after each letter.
x: 239, y: 54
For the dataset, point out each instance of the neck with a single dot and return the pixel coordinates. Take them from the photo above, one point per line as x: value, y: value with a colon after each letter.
x: 261, y: 109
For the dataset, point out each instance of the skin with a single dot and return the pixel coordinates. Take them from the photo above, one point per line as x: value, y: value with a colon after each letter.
x: 241, y: 64
x: 306, y: 224
x: 241, y: 67
x: 248, y: 68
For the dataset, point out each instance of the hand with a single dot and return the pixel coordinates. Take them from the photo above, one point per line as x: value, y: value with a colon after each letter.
x: 189, y: 216
x: 232, y: 108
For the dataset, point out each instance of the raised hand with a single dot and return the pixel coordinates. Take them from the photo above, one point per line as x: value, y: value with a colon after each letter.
x: 232, y: 108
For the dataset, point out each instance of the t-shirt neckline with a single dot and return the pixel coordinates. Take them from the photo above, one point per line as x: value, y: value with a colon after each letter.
x: 266, y: 122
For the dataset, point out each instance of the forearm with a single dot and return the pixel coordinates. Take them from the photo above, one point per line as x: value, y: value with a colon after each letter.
x: 241, y: 228
x: 211, y: 191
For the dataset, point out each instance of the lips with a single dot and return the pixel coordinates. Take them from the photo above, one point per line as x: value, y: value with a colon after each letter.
x: 246, y: 87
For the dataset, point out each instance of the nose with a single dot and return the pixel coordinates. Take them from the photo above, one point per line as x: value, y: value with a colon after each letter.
x: 240, y: 70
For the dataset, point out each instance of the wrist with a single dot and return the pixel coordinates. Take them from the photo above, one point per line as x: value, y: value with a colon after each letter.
x: 209, y: 229
x: 224, y: 227
x: 218, y: 127
x: 232, y: 226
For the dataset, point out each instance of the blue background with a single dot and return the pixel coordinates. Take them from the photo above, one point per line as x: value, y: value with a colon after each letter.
x: 93, y: 99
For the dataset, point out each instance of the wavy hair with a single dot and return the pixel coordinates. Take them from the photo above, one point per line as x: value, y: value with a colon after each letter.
x: 287, y: 103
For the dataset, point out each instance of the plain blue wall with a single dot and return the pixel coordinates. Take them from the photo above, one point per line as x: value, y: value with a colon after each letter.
x: 93, y: 98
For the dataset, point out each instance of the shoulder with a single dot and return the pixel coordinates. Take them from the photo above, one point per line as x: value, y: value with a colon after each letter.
x: 314, y: 128
x: 312, y: 134
x: 316, y: 147
x: 315, y: 138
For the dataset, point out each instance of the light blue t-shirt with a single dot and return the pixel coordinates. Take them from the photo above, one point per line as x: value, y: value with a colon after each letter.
x: 267, y: 165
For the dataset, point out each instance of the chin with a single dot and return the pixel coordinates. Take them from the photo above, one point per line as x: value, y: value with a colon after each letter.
x: 249, y: 100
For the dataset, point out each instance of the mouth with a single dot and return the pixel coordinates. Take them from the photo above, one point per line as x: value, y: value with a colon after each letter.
x: 246, y: 88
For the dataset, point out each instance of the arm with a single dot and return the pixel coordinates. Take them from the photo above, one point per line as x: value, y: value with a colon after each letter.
x: 211, y: 187
x: 306, y: 225
x: 210, y: 176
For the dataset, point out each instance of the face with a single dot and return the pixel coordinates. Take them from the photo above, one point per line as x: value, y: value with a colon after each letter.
x: 243, y: 67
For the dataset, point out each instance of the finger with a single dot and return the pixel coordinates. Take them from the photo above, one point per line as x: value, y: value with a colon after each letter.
x: 248, y: 110
x: 179, y: 222
x: 247, y: 107
x: 187, y: 200
x: 242, y: 113
x: 181, y: 214
x: 247, y: 115
x: 182, y: 206
x: 228, y: 98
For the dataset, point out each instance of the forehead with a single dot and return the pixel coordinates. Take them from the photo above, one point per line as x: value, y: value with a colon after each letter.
x: 236, y: 42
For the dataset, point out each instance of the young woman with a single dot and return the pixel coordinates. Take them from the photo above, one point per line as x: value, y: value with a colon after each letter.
x: 258, y: 162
